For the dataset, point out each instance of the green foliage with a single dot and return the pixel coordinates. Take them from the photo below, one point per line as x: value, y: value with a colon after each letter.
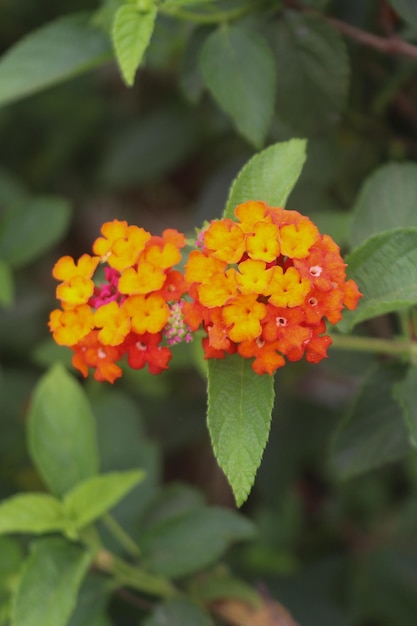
x: 270, y: 175
x: 312, y: 71
x: 239, y: 413
x: 128, y: 471
x: 23, y: 236
x: 132, y: 31
x: 374, y: 431
x: 386, y: 200
x: 47, y: 591
x: 186, y: 543
x: 385, y: 268
x: 238, y: 68
x: 62, y: 432
x: 49, y: 56
x: 179, y: 612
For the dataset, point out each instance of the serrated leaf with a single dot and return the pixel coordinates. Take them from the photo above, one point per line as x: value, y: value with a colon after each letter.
x: 47, y: 591
x: 178, y: 612
x: 23, y: 236
x: 269, y: 176
x: 190, y: 542
x: 385, y: 268
x: 31, y: 513
x: 239, y: 414
x: 374, y: 432
x: 407, y: 9
x: 238, y: 68
x: 312, y: 72
x: 405, y: 392
x: 386, y: 200
x: 61, y: 432
x: 90, y: 499
x: 131, y: 34
x: 55, y: 52
x: 6, y: 285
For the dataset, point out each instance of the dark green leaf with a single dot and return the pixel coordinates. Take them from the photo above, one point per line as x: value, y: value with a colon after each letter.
x: 312, y: 72
x: 6, y: 285
x: 11, y: 558
x: 188, y: 543
x: 385, y: 268
x: 269, y: 176
x: 148, y: 149
x: 374, y: 432
x: 31, y: 513
x: 61, y: 431
x: 239, y: 415
x: 238, y: 68
x: 178, y: 612
x: 55, y: 52
x: 387, y: 200
x: 47, y: 591
x: 191, y: 80
x: 405, y: 392
x: 89, y: 500
x: 131, y: 34
x: 92, y: 599
x: 172, y: 501
x: 24, y: 237
x: 215, y: 586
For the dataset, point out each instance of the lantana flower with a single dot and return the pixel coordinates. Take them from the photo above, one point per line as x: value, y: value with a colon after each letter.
x: 263, y: 285
x: 133, y: 312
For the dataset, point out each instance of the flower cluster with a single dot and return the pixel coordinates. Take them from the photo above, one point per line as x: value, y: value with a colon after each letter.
x: 262, y: 286
x: 131, y: 311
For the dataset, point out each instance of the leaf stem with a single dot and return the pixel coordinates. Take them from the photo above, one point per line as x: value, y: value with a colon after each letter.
x: 120, y: 535
x: 407, y: 349
x: 216, y: 17
x: 127, y: 575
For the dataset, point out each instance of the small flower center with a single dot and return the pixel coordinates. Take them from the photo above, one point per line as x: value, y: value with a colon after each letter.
x: 316, y: 270
x: 313, y: 301
x: 141, y: 346
x: 281, y: 321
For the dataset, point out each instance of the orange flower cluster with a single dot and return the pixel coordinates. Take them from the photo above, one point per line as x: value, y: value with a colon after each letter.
x: 136, y: 305
x: 262, y: 286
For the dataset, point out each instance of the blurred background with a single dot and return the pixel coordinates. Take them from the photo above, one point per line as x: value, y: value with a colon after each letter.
x: 336, y: 552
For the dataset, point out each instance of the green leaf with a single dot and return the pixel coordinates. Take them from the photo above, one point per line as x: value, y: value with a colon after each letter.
x: 185, y: 544
x: 386, y: 200
x: 6, y: 285
x: 405, y: 392
x: 47, y: 591
x: 238, y: 68
x: 31, y: 513
x: 172, y: 501
x: 312, y: 72
x: 191, y: 79
x: 385, y: 268
x: 149, y: 148
x: 239, y: 415
x: 131, y: 34
x: 269, y: 176
x: 178, y: 612
x: 407, y: 9
x: 61, y: 432
x: 218, y: 585
x: 90, y: 499
x: 374, y: 431
x: 91, y: 603
x: 55, y: 52
x: 23, y: 236
x: 11, y: 558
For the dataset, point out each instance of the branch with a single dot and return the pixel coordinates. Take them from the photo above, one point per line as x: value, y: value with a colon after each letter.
x: 387, y: 45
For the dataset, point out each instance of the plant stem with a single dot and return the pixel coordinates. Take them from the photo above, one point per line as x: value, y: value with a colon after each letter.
x: 393, y: 347
x: 127, y: 575
x: 120, y: 535
x: 216, y: 17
